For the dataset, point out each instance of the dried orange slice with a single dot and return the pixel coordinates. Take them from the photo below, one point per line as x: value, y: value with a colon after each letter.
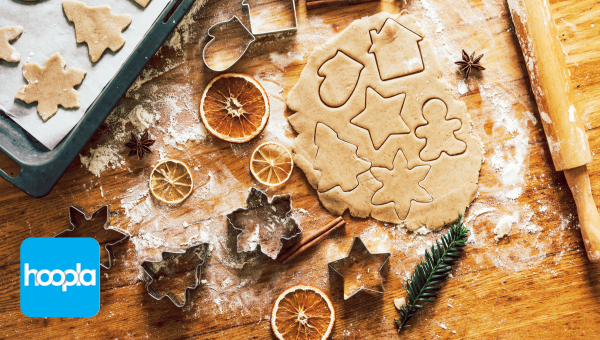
x: 234, y: 107
x: 302, y: 312
x: 171, y: 181
x: 271, y: 163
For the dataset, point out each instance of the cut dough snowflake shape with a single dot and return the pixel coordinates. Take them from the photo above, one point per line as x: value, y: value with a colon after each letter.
x: 382, y: 117
x: 401, y: 185
x: 97, y: 27
x: 264, y: 223
x: 51, y: 86
x: 439, y: 132
x: 360, y: 269
x: 341, y: 76
x: 96, y: 227
x: 7, y: 52
x: 340, y: 156
x: 396, y: 50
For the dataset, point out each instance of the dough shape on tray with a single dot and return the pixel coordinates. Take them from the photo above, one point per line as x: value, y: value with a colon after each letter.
x: 7, y: 52
x: 51, y: 86
x: 142, y: 3
x: 97, y: 27
x: 380, y: 133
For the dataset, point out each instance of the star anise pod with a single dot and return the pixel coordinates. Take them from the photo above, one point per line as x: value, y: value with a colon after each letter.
x: 469, y: 62
x: 140, y: 146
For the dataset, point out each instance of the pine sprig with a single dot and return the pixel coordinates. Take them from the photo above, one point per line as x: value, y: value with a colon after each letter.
x: 432, y: 271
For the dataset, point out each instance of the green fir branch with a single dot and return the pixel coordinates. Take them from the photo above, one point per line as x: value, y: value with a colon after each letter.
x: 432, y: 271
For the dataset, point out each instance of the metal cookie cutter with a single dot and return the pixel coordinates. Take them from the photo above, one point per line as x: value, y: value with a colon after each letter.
x: 158, y: 270
x: 87, y: 226
x: 264, y: 223
x: 257, y: 33
x: 353, y: 266
x: 232, y: 20
x: 253, y: 33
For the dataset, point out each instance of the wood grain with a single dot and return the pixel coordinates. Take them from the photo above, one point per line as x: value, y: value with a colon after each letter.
x: 529, y: 285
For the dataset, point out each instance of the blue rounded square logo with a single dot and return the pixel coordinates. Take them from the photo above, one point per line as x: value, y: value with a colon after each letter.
x: 60, y: 277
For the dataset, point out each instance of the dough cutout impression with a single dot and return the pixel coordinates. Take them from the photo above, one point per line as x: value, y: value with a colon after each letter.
x: 439, y: 132
x: 7, y: 52
x: 51, y: 86
x: 380, y: 133
x: 341, y: 75
x: 397, y: 50
x: 382, y: 117
x: 97, y: 27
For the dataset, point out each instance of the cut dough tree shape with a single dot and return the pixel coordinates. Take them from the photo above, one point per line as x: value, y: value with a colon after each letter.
x: 401, y: 185
x: 51, y: 86
x: 341, y: 76
x: 396, y: 50
x: 382, y: 117
x: 7, y: 52
x: 339, y: 160
x: 97, y: 27
x: 439, y: 132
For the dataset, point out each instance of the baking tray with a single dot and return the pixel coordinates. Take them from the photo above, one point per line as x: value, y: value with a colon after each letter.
x: 42, y: 168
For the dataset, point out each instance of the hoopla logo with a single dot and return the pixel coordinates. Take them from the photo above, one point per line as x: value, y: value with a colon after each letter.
x: 78, y: 277
x: 60, y: 277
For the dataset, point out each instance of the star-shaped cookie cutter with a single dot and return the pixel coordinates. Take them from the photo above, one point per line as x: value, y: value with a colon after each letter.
x: 77, y: 225
x: 152, y: 271
x: 359, y: 246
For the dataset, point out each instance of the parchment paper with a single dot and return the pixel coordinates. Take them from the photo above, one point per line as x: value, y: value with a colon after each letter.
x: 47, y: 31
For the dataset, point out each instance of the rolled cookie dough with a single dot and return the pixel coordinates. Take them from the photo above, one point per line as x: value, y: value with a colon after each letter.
x: 380, y: 132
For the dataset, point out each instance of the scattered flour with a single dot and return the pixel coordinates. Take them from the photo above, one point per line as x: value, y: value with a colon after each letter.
x: 101, y: 159
x: 504, y: 226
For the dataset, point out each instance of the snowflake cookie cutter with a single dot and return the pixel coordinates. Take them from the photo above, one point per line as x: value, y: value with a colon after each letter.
x: 154, y: 271
x: 252, y: 32
x: 81, y: 221
x: 266, y: 218
x: 340, y: 267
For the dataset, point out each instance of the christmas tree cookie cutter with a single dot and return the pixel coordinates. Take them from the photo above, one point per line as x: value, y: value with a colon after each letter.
x: 253, y: 32
x: 156, y: 270
x: 84, y: 225
x: 351, y: 267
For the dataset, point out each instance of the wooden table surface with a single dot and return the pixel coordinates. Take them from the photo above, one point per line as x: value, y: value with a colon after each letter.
x: 535, y: 283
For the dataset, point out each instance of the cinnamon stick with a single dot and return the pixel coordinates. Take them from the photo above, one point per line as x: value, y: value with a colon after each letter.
x: 310, y: 238
x: 313, y: 242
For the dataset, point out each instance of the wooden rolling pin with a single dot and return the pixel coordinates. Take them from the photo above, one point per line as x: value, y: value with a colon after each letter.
x: 561, y: 118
